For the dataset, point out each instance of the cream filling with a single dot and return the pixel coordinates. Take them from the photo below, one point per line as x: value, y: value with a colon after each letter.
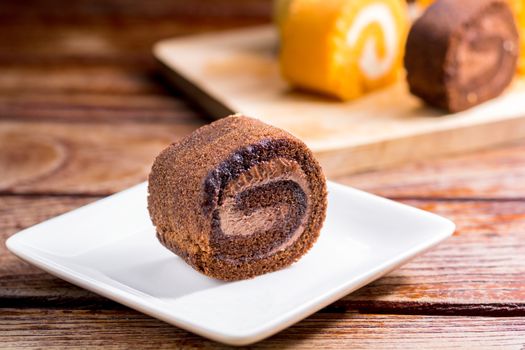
x: 371, y: 65
x: 233, y: 222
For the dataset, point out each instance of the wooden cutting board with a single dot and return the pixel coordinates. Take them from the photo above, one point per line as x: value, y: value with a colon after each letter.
x: 238, y: 71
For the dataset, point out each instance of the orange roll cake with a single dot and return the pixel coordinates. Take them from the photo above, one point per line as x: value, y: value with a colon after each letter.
x: 343, y: 48
x: 518, y: 6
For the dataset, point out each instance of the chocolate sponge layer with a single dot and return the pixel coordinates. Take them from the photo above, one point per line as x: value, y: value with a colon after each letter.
x: 462, y: 52
x: 237, y: 198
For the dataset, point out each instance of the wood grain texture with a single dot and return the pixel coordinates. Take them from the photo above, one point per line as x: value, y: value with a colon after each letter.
x: 123, y: 329
x: 95, y: 107
x: 86, y: 158
x: 481, y: 266
x: 160, y: 9
x: 238, y: 71
x: 497, y: 173
x: 34, y: 40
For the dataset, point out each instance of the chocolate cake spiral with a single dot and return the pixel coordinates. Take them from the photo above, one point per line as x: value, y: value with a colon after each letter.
x: 237, y: 198
x: 462, y: 53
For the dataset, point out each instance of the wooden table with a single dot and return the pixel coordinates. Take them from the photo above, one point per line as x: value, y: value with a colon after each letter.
x: 83, y: 111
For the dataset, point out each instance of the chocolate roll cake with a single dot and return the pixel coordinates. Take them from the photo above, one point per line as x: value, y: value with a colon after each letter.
x: 461, y: 53
x: 237, y: 198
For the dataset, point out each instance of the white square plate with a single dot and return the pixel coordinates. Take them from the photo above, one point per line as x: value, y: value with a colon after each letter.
x: 110, y: 248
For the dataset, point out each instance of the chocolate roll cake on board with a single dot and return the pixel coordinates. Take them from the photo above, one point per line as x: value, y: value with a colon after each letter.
x: 461, y: 53
x: 237, y: 198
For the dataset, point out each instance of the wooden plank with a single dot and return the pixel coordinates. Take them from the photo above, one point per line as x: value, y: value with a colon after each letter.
x: 87, y: 158
x: 19, y: 81
x: 215, y: 10
x: 89, y: 108
x: 124, y: 329
x: 481, y: 266
x: 497, y: 173
x: 238, y: 71
x: 95, y: 40
x: 480, y: 270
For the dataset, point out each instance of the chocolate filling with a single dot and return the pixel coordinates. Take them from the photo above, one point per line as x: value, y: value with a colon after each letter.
x: 258, y: 200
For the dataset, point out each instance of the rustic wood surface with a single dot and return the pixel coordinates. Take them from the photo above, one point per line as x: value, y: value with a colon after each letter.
x: 83, y: 111
x: 124, y: 329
